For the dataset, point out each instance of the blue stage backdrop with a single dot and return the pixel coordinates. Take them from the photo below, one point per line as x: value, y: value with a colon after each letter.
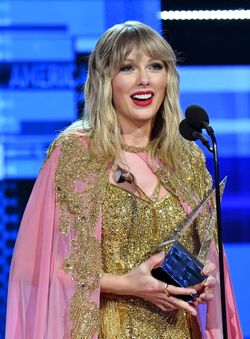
x: 43, y: 52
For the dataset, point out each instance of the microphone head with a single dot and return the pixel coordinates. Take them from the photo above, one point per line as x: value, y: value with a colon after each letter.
x: 187, y: 131
x: 196, y: 116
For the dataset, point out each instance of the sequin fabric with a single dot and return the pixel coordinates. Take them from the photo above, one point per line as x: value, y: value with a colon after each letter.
x: 129, y: 236
x: 191, y: 183
x: 82, y: 192
x: 80, y: 181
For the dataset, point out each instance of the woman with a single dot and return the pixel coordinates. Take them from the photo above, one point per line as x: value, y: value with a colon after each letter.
x: 112, y: 188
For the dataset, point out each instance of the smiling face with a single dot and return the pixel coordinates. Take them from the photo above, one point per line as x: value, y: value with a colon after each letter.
x: 138, y: 90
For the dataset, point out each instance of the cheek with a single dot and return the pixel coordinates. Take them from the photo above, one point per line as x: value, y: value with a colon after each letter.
x: 115, y: 90
x: 163, y: 83
x: 163, y: 88
x: 120, y: 89
x: 117, y: 97
x: 122, y: 83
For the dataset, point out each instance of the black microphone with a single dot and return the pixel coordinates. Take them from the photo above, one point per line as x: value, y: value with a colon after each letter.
x: 198, y: 118
x: 191, y: 134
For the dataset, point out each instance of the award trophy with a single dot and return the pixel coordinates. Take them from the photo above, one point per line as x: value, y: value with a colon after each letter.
x: 180, y: 267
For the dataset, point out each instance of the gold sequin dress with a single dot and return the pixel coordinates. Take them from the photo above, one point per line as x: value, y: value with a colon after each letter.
x: 132, y: 228
x: 72, y: 201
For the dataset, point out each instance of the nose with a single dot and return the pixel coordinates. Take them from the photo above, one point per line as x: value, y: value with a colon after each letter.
x: 143, y: 77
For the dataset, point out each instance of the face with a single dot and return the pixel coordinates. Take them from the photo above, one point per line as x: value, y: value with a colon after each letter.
x: 138, y: 90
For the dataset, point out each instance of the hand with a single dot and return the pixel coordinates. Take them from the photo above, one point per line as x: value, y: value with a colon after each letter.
x: 140, y: 283
x: 206, y: 288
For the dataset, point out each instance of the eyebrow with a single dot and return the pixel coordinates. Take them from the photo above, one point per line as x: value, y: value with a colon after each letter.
x: 129, y: 60
x: 132, y: 60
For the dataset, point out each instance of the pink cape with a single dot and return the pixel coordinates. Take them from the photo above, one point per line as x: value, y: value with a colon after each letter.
x: 214, y: 321
x: 40, y: 292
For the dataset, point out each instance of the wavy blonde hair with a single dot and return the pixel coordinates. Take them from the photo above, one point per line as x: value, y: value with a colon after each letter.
x: 100, y: 117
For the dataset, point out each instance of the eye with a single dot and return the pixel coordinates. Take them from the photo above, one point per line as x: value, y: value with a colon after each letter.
x: 156, y: 66
x: 126, y: 68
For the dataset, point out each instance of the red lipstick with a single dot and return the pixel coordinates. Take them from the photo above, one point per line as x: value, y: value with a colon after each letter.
x: 142, y: 98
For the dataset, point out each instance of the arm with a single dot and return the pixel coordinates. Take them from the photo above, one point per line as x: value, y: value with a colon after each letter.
x: 140, y: 283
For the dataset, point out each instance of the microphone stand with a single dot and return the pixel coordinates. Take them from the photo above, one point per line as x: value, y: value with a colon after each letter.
x: 219, y: 233
x: 190, y: 132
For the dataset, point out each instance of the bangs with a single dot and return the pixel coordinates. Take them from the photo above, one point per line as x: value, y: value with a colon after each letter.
x: 140, y: 41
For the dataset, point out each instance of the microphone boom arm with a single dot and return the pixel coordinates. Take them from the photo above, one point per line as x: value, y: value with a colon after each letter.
x: 198, y: 135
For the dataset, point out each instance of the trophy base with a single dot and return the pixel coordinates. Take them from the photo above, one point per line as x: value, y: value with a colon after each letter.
x: 180, y: 268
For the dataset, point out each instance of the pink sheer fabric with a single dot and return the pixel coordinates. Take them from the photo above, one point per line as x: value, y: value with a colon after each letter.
x: 213, y: 320
x: 40, y: 292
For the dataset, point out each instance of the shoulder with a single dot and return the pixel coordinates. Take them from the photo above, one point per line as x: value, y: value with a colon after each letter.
x: 196, y: 153
x: 196, y: 169
x: 192, y: 155
x: 194, y: 164
x: 72, y: 140
x: 69, y: 139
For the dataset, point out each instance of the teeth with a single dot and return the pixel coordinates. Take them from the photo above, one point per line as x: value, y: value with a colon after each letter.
x: 142, y: 96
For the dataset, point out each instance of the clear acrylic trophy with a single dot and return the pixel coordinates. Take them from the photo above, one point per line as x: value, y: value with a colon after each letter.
x: 180, y: 267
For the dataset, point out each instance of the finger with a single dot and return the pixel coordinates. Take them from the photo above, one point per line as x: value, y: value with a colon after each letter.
x: 180, y: 290
x: 181, y: 304
x: 208, y: 268
x: 165, y: 308
x: 169, y: 307
x: 154, y: 261
x: 162, y: 307
x: 173, y: 307
x: 196, y: 302
x: 199, y: 286
x: 205, y: 297
x: 210, y: 282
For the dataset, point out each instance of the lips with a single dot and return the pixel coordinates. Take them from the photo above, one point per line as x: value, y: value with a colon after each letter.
x: 142, y: 98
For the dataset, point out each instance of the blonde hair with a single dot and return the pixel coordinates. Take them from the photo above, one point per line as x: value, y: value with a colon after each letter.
x: 100, y: 117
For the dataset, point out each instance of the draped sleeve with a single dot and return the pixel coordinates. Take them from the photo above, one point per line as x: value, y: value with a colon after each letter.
x: 213, y: 319
x: 39, y: 290
x: 54, y: 277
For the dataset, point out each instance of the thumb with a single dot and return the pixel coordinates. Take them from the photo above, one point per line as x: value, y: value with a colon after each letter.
x: 154, y: 261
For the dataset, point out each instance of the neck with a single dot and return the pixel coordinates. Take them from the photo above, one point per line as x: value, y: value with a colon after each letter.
x: 136, y: 134
x: 136, y: 137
